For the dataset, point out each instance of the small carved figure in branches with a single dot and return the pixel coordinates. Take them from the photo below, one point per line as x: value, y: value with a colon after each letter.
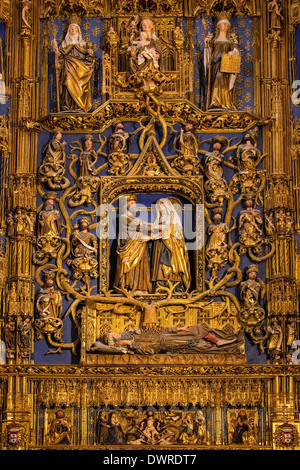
x: 250, y: 225
x: 88, y: 158
x: 118, y: 158
x: 251, y: 292
x: 215, y: 185
x: 49, y: 299
x: 217, y: 248
x: 186, y: 144
x: 84, y: 249
x: 275, y: 340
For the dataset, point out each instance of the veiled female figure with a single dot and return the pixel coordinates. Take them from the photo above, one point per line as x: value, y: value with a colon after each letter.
x: 76, y: 64
x: 220, y: 92
x: 170, y: 257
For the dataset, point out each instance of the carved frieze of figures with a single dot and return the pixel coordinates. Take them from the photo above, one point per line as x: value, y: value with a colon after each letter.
x: 151, y: 428
x: 190, y: 339
x: 74, y: 63
x: 49, y: 227
x: 222, y: 65
x: 52, y: 169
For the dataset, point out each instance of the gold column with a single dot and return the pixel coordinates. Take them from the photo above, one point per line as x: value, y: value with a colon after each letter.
x: 19, y: 306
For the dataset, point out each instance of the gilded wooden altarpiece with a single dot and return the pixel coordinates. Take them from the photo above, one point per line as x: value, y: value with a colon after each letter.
x: 149, y: 224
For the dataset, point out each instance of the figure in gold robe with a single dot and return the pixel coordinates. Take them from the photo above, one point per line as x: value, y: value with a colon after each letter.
x: 76, y: 64
x: 170, y: 260
x: 220, y: 93
x: 133, y: 272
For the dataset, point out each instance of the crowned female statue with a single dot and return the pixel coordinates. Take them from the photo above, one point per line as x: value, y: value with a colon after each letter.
x: 74, y: 66
x: 221, y: 64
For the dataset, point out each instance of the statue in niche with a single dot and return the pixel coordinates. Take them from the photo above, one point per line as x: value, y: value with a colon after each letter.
x: 275, y: 339
x: 75, y: 65
x: 270, y: 224
x: 10, y: 336
x: 24, y: 336
x: 49, y: 222
x: 215, y: 185
x: 186, y: 144
x: 248, y: 158
x: 250, y: 225
x: 222, y: 65
x: 240, y: 428
x: 49, y: 227
x: 145, y: 50
x: 60, y: 432
x: 170, y: 261
x: 102, y: 427
x: 146, y: 77
x: 217, y: 248
x: 251, y: 292
x: 276, y: 18
x: 52, y: 169
x: 118, y: 158
x: 84, y: 249
x: 20, y: 223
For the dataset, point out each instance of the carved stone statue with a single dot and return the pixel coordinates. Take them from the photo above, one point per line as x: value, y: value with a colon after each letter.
x: 186, y: 144
x: 84, y: 249
x: 75, y: 65
x: 250, y: 225
x: 221, y: 77
x: 215, y: 185
x: 10, y: 337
